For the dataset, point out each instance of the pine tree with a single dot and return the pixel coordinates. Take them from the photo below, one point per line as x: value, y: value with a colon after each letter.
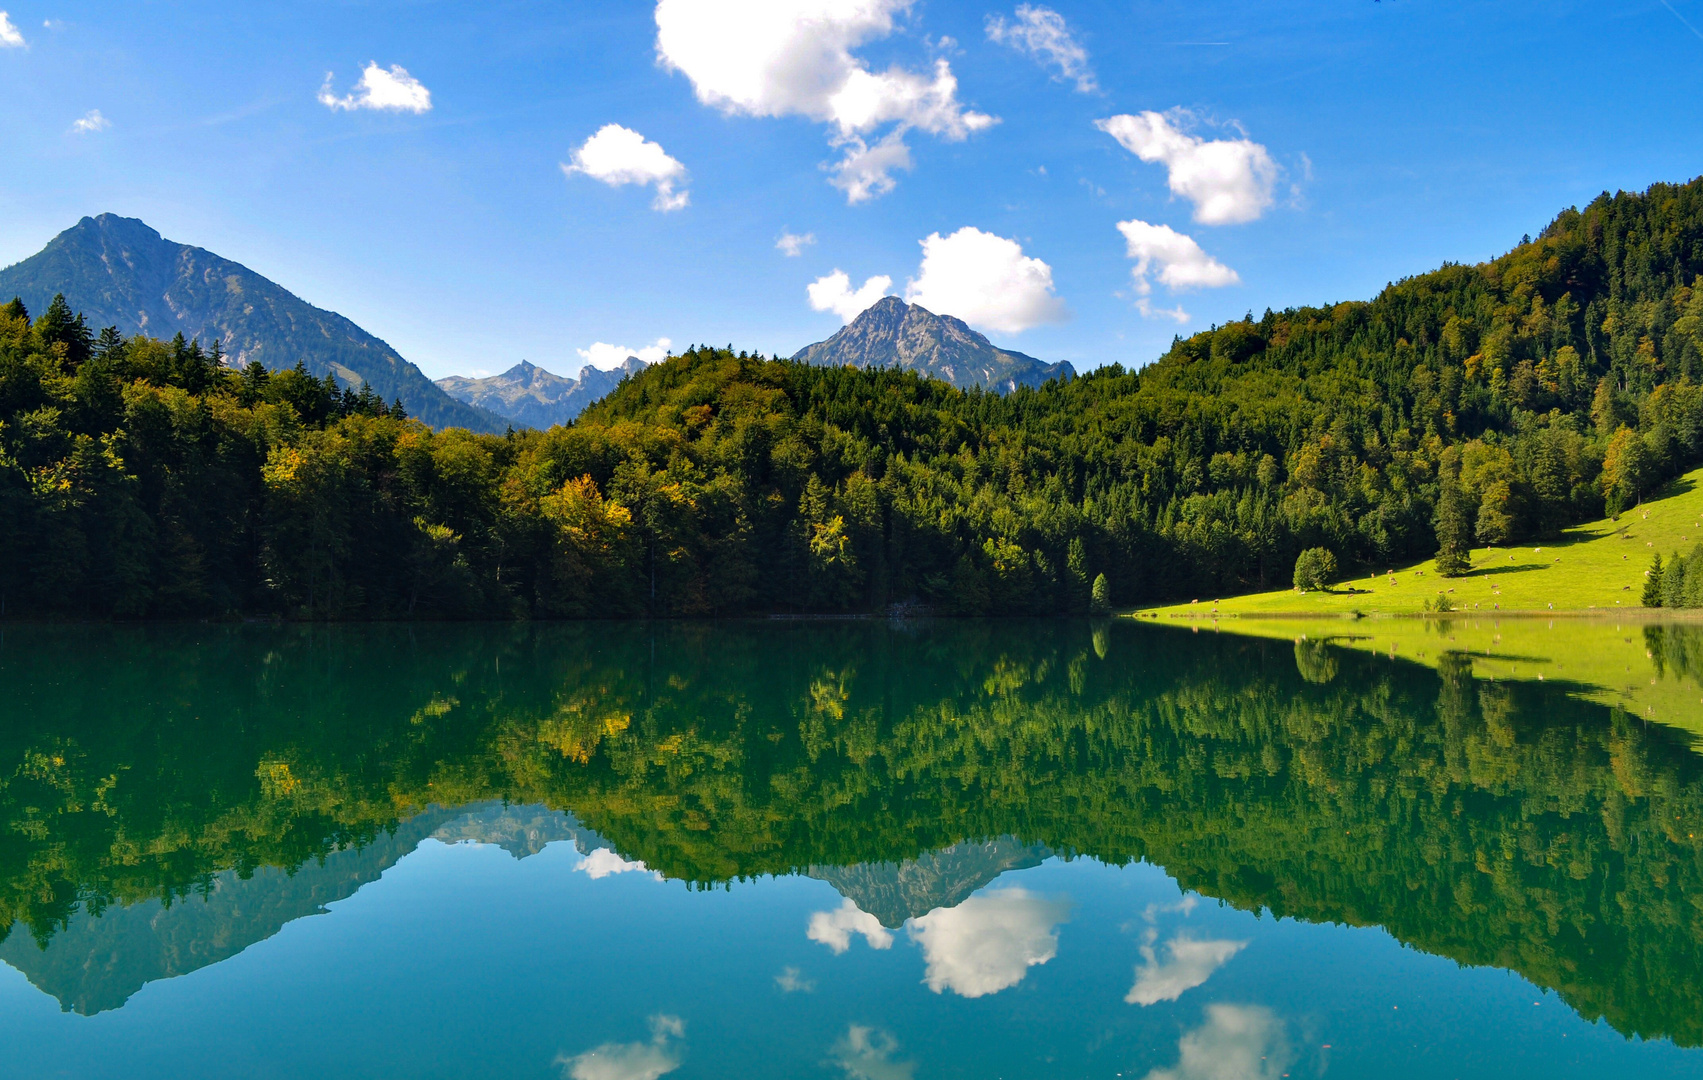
x: 1454, y: 530
x: 1100, y: 599
x: 1653, y: 582
x: 1076, y: 569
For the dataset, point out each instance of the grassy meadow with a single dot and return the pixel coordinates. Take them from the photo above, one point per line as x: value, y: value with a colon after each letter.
x: 1597, y: 567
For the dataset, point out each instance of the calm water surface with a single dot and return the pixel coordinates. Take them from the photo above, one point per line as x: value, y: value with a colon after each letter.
x: 841, y: 850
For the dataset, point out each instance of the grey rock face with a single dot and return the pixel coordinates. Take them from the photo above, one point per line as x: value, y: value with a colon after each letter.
x: 528, y: 396
x: 893, y: 333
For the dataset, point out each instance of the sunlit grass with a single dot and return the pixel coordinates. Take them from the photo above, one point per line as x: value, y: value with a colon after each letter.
x: 1597, y: 567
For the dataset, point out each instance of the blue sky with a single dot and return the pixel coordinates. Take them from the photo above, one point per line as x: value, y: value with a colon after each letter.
x: 1300, y: 153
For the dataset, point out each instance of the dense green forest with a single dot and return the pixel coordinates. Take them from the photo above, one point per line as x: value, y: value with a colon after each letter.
x: 1474, y: 404
x: 1496, y: 823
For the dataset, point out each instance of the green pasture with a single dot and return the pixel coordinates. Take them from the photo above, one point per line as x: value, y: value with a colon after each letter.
x: 1597, y: 567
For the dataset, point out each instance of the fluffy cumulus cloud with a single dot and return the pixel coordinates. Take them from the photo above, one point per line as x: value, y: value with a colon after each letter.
x: 1228, y: 180
x: 835, y: 928
x: 606, y: 357
x: 1189, y: 963
x: 618, y: 155
x: 603, y: 862
x: 795, y: 58
x: 792, y: 245
x: 1237, y: 1042
x: 630, y: 1061
x: 1175, y: 259
x: 834, y: 292
x: 867, y: 1054
x: 986, y: 280
x: 10, y: 37
x: 386, y: 91
x: 989, y: 942
x: 1041, y: 33
x: 89, y: 123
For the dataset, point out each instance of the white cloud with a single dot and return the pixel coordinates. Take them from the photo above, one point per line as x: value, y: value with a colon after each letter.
x: 834, y: 293
x: 835, y: 928
x: 1191, y: 963
x: 1041, y: 33
x: 792, y: 981
x: 867, y: 1054
x: 1228, y: 180
x: 388, y: 91
x: 1179, y: 262
x: 10, y: 37
x: 1237, y: 1042
x: 603, y: 862
x: 606, y: 357
x: 986, y: 280
x: 794, y: 58
x: 1150, y: 311
x: 629, y: 1061
x: 988, y: 942
x: 618, y: 155
x: 792, y: 245
x: 89, y: 123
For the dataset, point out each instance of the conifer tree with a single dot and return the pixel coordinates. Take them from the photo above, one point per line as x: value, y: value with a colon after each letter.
x: 1653, y: 582
x: 1454, y: 530
x: 1100, y: 599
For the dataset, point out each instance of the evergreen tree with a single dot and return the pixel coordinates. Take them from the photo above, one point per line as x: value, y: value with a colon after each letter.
x: 1454, y: 530
x: 1076, y: 580
x: 1100, y: 598
x: 1653, y: 582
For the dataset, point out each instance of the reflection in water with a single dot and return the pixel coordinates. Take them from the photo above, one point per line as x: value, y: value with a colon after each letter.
x: 1188, y: 964
x: 630, y: 1061
x: 1237, y: 1042
x: 867, y: 1054
x: 603, y: 862
x: 835, y: 928
x: 990, y: 941
x: 792, y: 981
x: 169, y: 796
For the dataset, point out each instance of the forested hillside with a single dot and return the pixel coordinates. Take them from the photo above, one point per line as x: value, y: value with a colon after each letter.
x: 1486, y: 403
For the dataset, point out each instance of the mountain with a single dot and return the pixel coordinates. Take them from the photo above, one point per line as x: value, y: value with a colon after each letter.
x: 119, y: 272
x: 896, y: 891
x: 894, y: 333
x: 96, y: 961
x: 529, y: 396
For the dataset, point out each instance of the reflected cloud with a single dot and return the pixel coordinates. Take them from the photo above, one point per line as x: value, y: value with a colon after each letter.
x: 792, y: 981
x: 835, y: 928
x: 867, y: 1054
x: 1191, y: 963
x: 988, y: 942
x: 603, y: 862
x: 1237, y: 1042
x: 630, y: 1061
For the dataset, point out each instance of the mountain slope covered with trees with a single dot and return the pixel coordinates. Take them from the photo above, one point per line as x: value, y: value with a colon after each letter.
x: 119, y: 272
x: 1473, y: 404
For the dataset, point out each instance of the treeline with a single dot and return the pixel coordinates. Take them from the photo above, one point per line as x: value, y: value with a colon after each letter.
x: 1480, y: 404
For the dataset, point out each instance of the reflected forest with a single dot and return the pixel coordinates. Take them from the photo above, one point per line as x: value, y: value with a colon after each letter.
x: 1492, y: 823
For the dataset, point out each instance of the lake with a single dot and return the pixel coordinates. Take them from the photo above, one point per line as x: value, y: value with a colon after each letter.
x: 861, y: 850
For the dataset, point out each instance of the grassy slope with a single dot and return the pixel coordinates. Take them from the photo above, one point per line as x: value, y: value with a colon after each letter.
x: 1595, y: 567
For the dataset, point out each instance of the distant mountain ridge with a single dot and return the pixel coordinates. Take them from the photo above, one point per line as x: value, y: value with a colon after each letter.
x: 892, y: 333
x: 119, y: 272
x: 529, y: 396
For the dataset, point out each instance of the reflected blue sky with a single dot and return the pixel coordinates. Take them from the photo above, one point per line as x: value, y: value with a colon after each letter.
x: 463, y: 960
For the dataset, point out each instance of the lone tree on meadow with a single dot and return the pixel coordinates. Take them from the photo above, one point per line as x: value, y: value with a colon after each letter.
x: 1314, y: 569
x: 1454, y: 526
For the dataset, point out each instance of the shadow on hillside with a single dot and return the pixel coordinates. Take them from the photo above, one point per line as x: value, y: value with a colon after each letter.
x: 1492, y: 571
